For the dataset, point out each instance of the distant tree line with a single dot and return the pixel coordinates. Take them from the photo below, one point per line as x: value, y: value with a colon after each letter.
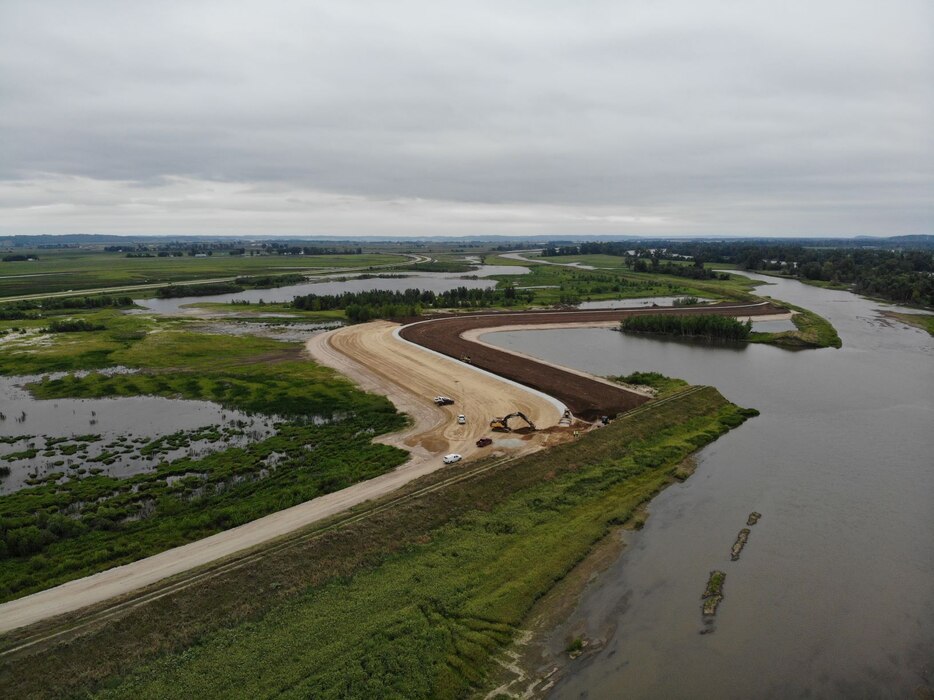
x: 19, y: 258
x: 18, y: 310
x: 904, y: 275
x: 286, y: 249
x: 174, y: 291
x: 708, y: 326
x: 270, y: 281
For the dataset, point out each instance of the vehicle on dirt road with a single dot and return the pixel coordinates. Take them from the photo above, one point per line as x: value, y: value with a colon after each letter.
x: 483, y: 442
x: 443, y: 400
x: 451, y: 458
x: 462, y: 419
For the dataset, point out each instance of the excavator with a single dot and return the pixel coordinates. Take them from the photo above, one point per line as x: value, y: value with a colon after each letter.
x: 502, y: 424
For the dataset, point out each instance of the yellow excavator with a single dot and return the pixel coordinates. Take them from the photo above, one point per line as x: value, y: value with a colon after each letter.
x: 502, y: 424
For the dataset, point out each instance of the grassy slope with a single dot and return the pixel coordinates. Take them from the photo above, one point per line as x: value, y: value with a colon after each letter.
x: 60, y: 270
x: 663, y: 385
x: 412, y: 603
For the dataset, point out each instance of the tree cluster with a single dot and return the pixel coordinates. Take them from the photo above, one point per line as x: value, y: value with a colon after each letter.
x: 376, y: 303
x: 708, y: 326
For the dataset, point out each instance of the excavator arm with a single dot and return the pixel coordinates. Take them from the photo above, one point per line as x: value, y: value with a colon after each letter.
x: 502, y: 424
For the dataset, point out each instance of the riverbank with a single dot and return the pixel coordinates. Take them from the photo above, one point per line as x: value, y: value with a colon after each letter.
x: 923, y: 321
x: 849, y: 411
x: 451, y: 573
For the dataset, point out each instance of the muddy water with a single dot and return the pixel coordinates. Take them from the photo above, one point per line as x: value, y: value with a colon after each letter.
x: 833, y: 595
x: 630, y: 303
x: 435, y: 282
x: 114, y: 436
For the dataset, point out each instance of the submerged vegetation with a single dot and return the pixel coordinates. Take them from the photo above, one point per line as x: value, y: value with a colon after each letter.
x: 713, y: 593
x: 72, y: 524
x: 922, y: 321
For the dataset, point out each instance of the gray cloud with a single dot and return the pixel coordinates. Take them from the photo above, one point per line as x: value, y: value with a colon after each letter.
x: 435, y: 117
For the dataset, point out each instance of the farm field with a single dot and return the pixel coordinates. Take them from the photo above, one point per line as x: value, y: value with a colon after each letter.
x: 62, y: 270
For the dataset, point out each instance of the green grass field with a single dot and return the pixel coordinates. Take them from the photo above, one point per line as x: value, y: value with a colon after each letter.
x: 412, y: 603
x: 572, y: 285
x: 62, y: 270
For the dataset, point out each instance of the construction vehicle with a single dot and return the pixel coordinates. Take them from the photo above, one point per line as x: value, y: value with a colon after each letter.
x: 502, y: 424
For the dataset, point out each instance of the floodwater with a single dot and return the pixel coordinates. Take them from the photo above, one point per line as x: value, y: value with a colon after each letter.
x: 430, y: 281
x: 833, y: 595
x: 637, y: 303
x: 110, y: 436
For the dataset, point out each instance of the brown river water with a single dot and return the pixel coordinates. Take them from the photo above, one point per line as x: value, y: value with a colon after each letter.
x: 833, y: 595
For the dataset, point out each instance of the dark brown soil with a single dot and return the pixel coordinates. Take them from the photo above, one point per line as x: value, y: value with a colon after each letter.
x: 586, y: 398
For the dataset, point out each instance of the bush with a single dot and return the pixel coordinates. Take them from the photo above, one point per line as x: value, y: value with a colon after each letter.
x: 72, y: 325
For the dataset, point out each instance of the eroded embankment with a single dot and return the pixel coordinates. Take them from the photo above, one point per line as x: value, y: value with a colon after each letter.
x: 586, y: 398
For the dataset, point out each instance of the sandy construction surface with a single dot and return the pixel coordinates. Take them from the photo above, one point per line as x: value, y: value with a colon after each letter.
x: 410, y: 376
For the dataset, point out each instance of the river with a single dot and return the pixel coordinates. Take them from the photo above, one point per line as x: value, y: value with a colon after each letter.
x: 833, y: 595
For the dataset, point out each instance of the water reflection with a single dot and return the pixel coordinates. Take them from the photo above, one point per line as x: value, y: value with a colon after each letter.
x: 435, y: 282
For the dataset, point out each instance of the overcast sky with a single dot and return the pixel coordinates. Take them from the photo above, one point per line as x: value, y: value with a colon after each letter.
x: 799, y: 117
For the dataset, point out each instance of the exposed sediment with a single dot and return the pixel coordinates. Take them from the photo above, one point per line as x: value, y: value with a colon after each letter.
x: 741, y: 539
x: 713, y: 593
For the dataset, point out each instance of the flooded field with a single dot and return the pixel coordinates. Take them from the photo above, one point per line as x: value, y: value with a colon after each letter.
x: 632, y: 303
x: 432, y: 281
x: 72, y: 438
x: 834, y: 593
